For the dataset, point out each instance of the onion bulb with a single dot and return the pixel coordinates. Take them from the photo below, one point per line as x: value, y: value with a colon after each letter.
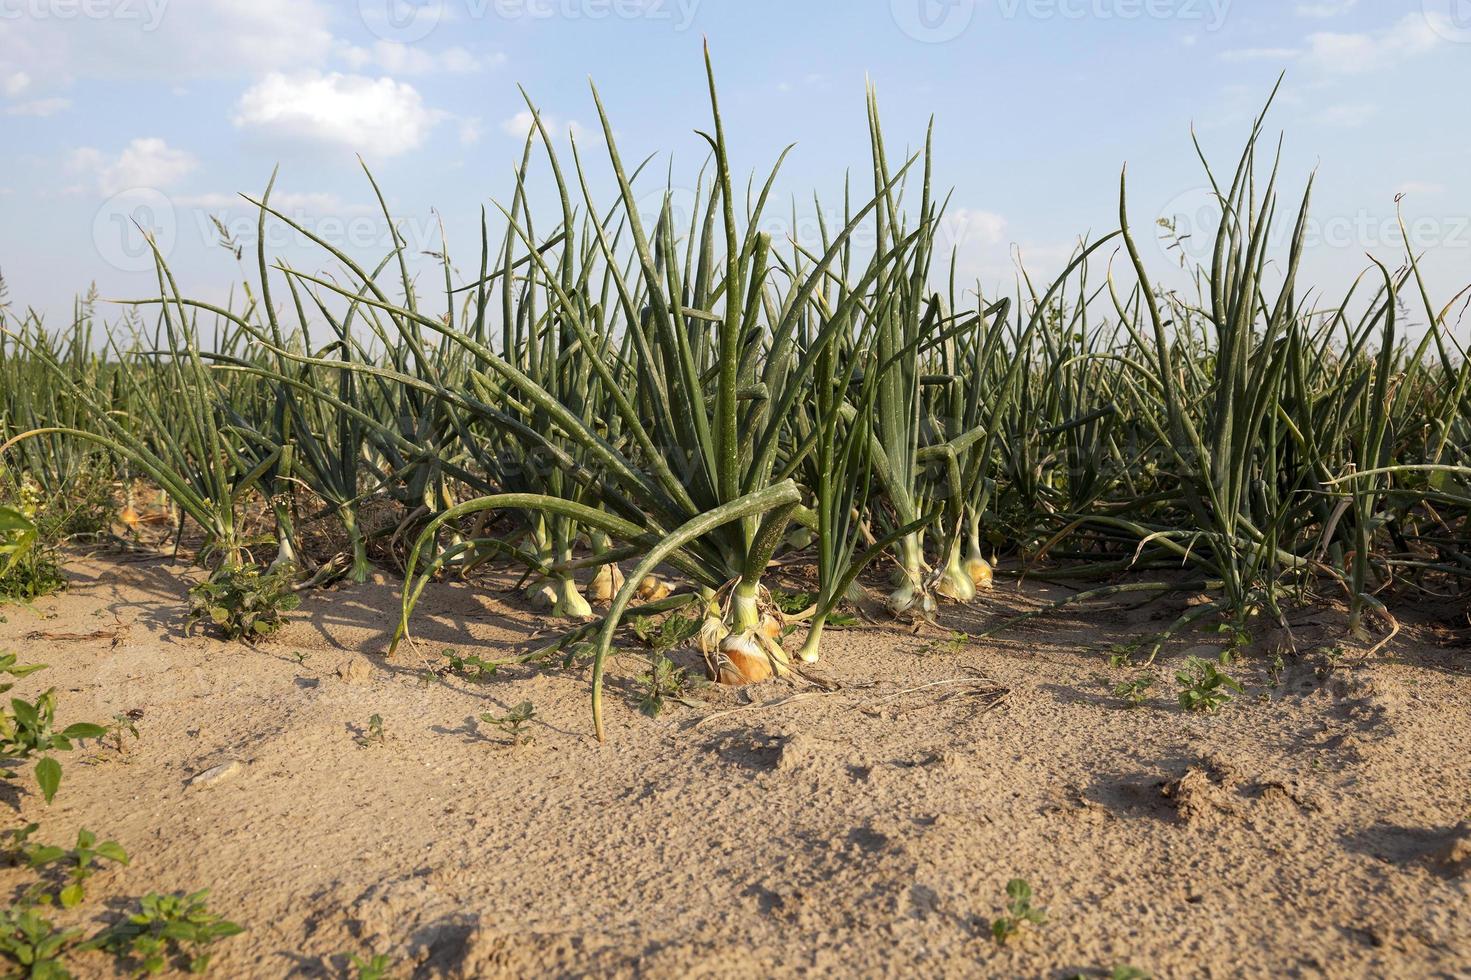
x: 909, y: 599
x: 712, y: 631
x: 605, y: 585
x: 570, y: 603
x: 742, y: 660
x: 800, y: 538
x: 653, y: 588
x: 542, y: 596
x: 979, y: 571
x: 955, y: 581
x: 559, y: 597
x: 809, y: 654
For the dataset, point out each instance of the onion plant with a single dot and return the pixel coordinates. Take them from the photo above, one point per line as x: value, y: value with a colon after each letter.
x: 690, y: 401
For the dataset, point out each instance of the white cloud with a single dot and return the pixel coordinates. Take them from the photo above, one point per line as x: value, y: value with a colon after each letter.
x: 403, y: 59
x: 979, y: 241
x: 163, y: 39
x: 146, y: 162
x: 14, y: 85
x: 1323, y: 9
x: 39, y: 108
x: 1329, y: 52
x: 470, y: 130
x: 968, y: 228
x: 460, y: 60
x: 1260, y: 54
x: 378, y: 117
x: 1355, y: 53
x: 520, y: 124
x: 1347, y: 116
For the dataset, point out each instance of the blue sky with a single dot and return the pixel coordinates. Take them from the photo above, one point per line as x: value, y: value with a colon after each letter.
x: 161, y: 110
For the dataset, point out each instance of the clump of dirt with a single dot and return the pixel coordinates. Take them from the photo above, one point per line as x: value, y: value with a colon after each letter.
x: 1291, y: 795
x: 1213, y: 790
x: 1453, y: 856
x: 1205, y: 793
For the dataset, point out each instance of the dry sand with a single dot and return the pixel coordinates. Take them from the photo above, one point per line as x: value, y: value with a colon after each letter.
x: 1309, y: 829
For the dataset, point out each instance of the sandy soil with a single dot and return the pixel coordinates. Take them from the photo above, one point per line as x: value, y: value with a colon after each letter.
x: 1310, y: 829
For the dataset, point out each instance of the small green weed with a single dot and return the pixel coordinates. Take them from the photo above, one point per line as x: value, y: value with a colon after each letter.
x: 951, y: 645
x: 792, y: 603
x: 663, y: 681
x: 122, y: 725
x: 1019, y: 912
x: 1134, y: 692
x: 374, y: 734
x: 1204, y: 687
x: 1333, y: 657
x: 168, y: 930
x: 28, y: 565
x: 663, y: 635
x: 514, y: 721
x: 27, y: 731
x: 470, y: 667
x: 79, y: 864
x: 797, y: 603
x: 375, y: 967
x: 30, y: 942
x: 13, y: 842
x: 9, y: 664
x: 242, y: 602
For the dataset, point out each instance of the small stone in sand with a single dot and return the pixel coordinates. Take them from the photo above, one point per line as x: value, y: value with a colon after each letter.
x: 1453, y: 858
x: 355, y: 670
x: 214, y: 774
